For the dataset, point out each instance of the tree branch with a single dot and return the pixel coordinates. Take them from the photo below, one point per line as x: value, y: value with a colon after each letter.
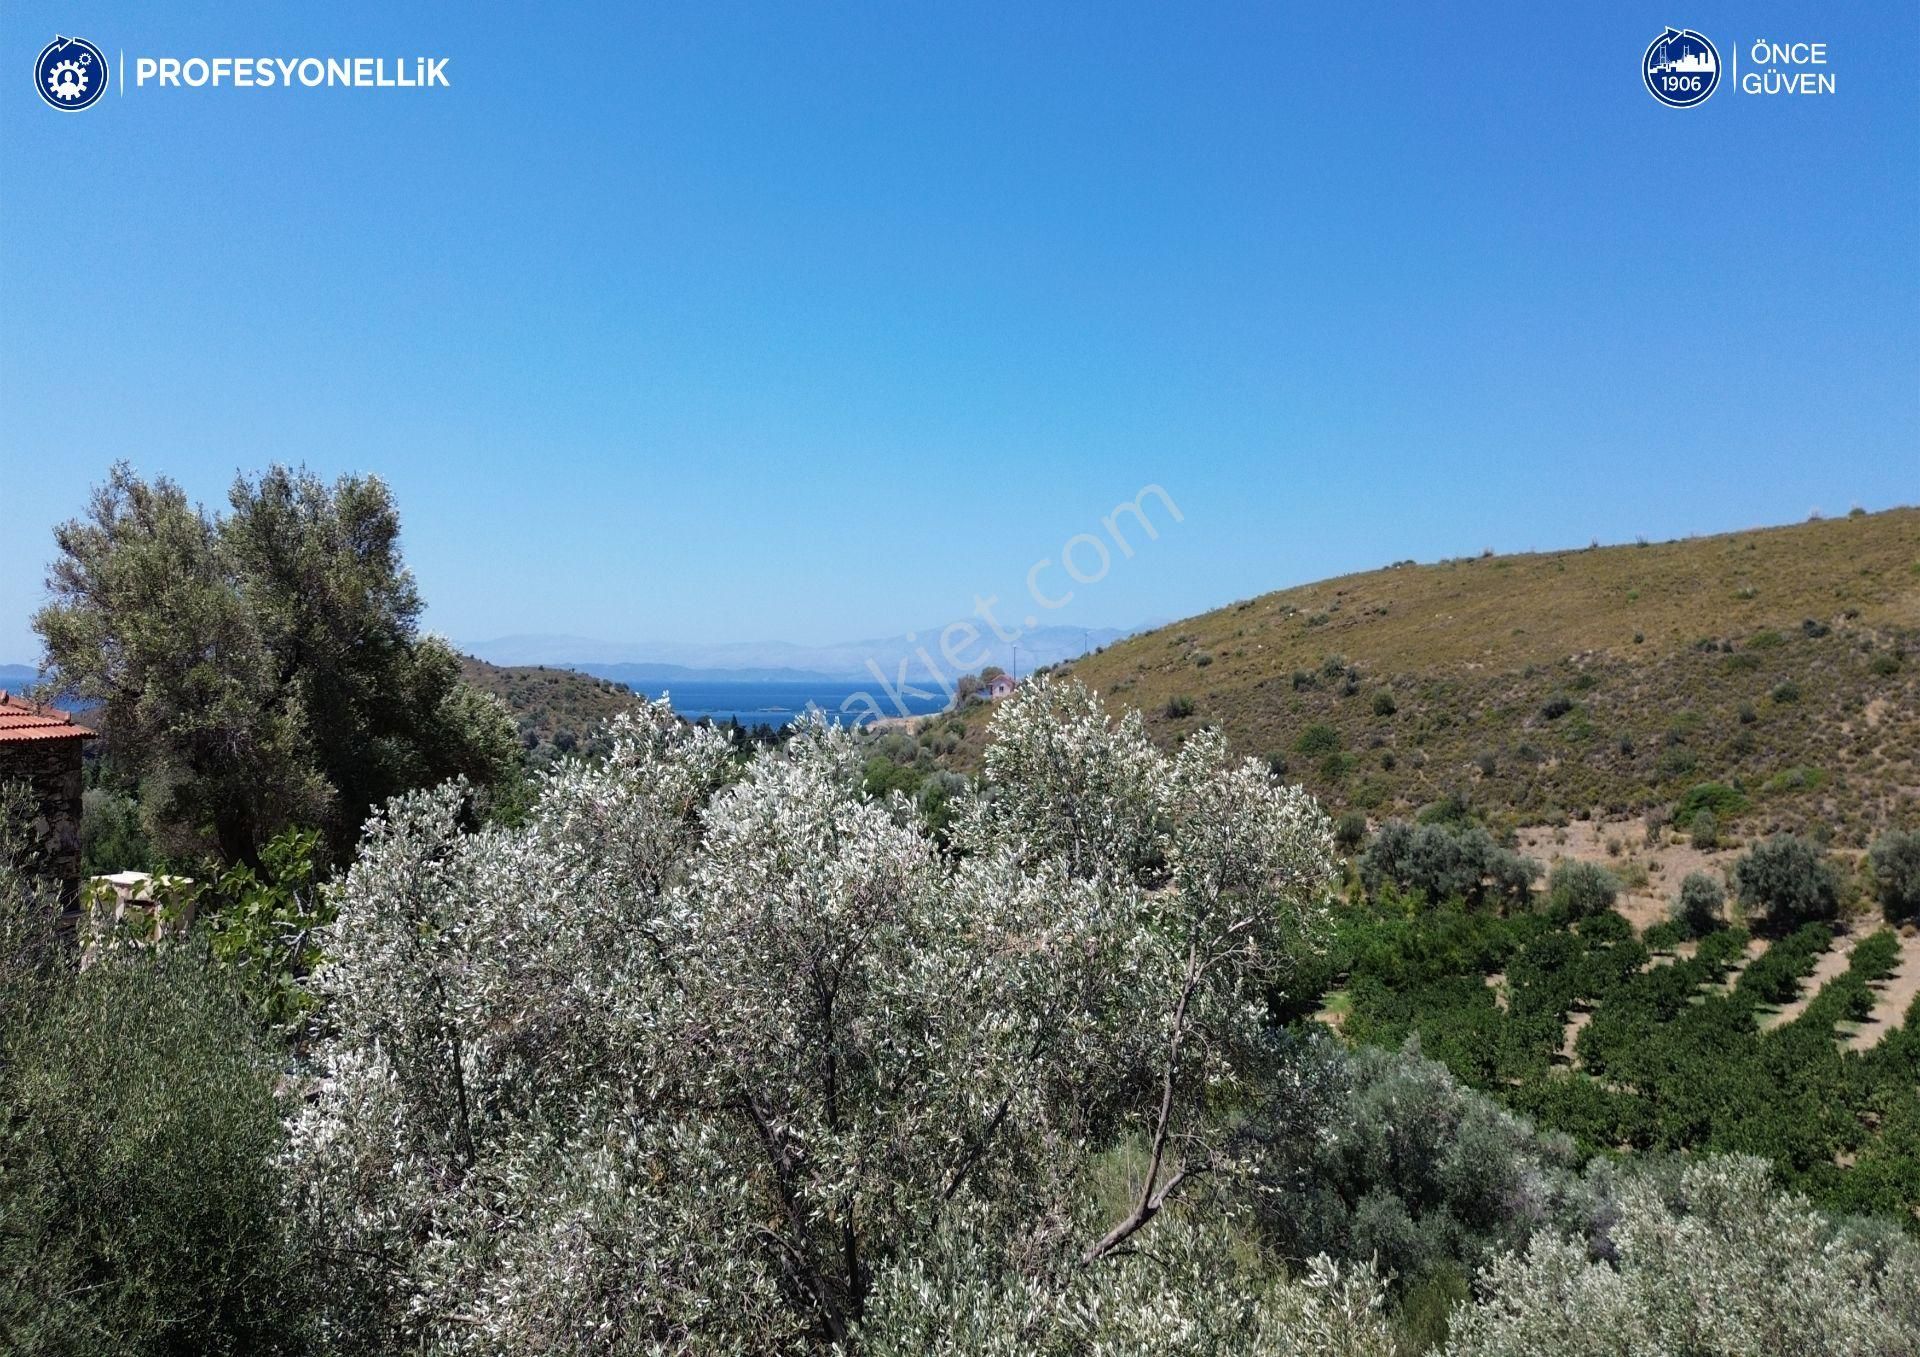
x: 1153, y: 1195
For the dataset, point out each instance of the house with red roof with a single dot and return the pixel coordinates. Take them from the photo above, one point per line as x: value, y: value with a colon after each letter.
x: 40, y: 747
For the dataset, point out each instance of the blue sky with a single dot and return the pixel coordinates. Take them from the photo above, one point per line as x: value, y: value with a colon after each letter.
x: 814, y: 322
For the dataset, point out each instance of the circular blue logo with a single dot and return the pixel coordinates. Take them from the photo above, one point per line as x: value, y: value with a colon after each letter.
x: 1681, y: 68
x: 71, y: 74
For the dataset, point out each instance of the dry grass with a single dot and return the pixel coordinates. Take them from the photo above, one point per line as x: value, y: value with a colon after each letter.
x: 1574, y: 684
x: 557, y: 710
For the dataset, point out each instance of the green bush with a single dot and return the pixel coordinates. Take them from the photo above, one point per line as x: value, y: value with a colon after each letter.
x: 111, y: 837
x: 1383, y: 1154
x: 1383, y: 703
x: 1318, y: 738
x: 1785, y: 694
x: 1775, y: 977
x: 1788, y: 881
x: 1179, y: 707
x: 1349, y: 831
x: 1704, y: 830
x: 138, y: 1186
x: 1876, y: 956
x: 1725, y: 802
x: 1665, y: 935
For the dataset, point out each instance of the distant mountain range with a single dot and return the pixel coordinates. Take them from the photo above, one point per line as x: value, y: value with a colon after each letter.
x: 654, y: 662
x: 649, y: 665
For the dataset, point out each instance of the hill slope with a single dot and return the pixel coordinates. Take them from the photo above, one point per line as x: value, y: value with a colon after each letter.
x: 557, y: 709
x: 1606, y: 681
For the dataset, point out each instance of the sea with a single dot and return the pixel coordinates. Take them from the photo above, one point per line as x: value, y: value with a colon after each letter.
x: 779, y: 704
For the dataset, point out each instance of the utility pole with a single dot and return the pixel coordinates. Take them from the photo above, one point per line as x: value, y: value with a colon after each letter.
x: 1014, y: 672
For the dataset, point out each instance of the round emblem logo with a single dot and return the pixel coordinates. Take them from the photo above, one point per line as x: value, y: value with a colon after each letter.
x: 70, y: 73
x: 1681, y: 68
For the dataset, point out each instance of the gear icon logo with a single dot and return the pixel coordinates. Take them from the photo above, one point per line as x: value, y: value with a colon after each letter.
x: 71, y: 74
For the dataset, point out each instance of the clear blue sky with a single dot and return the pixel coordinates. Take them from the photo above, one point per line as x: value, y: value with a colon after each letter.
x: 740, y: 321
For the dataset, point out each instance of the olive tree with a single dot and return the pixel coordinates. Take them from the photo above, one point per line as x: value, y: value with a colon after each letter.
x: 697, y: 1059
x: 1701, y: 905
x: 1787, y: 880
x: 1895, y: 863
x: 262, y: 668
x: 1711, y: 1260
x: 1579, y: 890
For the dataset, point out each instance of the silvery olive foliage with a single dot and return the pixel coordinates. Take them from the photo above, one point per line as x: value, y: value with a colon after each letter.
x: 1193, y: 1294
x: 703, y: 1058
x: 1716, y: 1263
x: 1379, y: 1155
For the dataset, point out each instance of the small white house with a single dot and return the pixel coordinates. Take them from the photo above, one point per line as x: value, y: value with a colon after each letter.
x: 999, y: 686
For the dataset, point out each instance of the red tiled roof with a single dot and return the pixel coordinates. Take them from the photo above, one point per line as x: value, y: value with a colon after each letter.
x: 21, y: 719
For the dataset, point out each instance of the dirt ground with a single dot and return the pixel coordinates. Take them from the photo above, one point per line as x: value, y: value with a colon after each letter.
x: 1622, y: 847
x: 1667, y: 864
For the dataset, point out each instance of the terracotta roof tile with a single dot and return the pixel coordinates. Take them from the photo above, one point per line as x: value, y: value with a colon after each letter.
x: 22, y: 720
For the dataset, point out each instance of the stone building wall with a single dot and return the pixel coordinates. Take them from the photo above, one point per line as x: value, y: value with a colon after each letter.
x: 52, y: 769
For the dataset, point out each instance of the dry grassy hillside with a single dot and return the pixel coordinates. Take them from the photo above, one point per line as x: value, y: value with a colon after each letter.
x: 558, y: 710
x: 1604, y: 681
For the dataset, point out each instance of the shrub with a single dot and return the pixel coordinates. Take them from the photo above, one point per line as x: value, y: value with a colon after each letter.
x: 1798, y: 778
x: 1786, y: 694
x: 1334, y: 767
x: 138, y: 1139
x: 1383, y: 703
x: 1579, y: 890
x: 1786, y: 879
x: 1382, y: 1154
x: 1895, y: 863
x: 1664, y: 935
x: 1677, y: 762
x: 1701, y: 904
x: 1179, y: 707
x: 1886, y: 664
x: 1705, y: 830
x: 1317, y: 738
x: 1557, y: 706
x: 1349, y: 831
x: 1877, y: 956
x: 1717, y: 797
x: 111, y: 838
x: 1705, y: 1258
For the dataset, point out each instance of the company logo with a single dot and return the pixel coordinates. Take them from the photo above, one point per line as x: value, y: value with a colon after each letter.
x: 1681, y: 68
x: 71, y: 74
